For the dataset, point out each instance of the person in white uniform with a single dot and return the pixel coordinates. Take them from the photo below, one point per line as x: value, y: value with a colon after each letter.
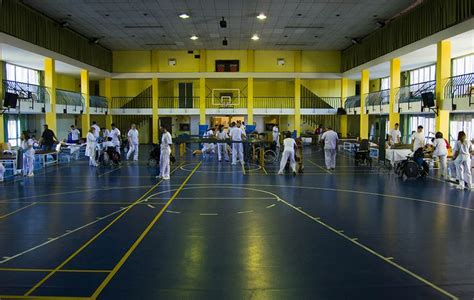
x: 97, y: 129
x: 237, y: 135
x: 276, y: 135
x: 395, y: 135
x: 462, y: 152
x: 75, y: 135
x: 441, y: 151
x: 222, y: 147
x: 418, y: 138
x: 288, y: 154
x: 133, y: 142
x: 207, y: 148
x: 115, y: 135
x: 91, y: 147
x: 105, y: 133
x: 166, y: 142
x: 330, y: 139
x: 28, y: 154
x: 2, y: 172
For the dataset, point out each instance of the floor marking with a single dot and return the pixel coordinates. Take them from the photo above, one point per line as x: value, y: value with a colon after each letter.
x: 67, y: 260
x: 355, y: 239
x: 173, y: 212
x: 243, y: 169
x: 141, y: 237
x: 390, y: 258
x: 49, y: 270
x: 245, y: 212
x: 108, y: 172
x: 264, y: 170
x: 270, y: 206
x: 208, y: 214
x: 18, y: 210
x: 150, y: 206
x: 326, y: 170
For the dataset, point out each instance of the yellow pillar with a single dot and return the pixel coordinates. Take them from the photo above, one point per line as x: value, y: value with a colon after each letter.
x: 394, y: 116
x: 108, y: 96
x: 250, y: 101
x: 86, y: 117
x: 443, y: 72
x: 364, y: 117
x: 50, y: 83
x: 343, y: 118
x: 202, y: 101
x: 298, y: 106
x: 2, y: 128
x: 154, y: 119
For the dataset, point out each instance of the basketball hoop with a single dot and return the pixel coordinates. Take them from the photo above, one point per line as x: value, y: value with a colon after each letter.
x: 226, y: 101
x: 226, y: 97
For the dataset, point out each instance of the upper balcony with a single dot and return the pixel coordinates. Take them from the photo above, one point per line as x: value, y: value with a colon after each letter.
x: 31, y: 98
x: 460, y: 90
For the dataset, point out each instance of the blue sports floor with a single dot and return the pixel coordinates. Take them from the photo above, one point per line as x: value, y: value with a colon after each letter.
x: 216, y: 231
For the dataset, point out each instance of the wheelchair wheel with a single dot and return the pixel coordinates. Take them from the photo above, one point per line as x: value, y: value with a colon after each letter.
x: 270, y: 156
x: 425, y: 169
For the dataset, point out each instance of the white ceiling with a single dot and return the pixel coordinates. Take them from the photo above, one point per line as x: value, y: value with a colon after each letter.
x: 340, y: 20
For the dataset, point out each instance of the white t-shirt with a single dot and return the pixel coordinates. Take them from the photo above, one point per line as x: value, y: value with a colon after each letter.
x: 25, y: 145
x: 105, y: 133
x: 208, y: 134
x: 115, y: 134
x: 166, y: 141
x: 91, y: 139
x: 275, y: 133
x: 236, y: 133
x: 133, y: 136
x: 108, y: 144
x: 289, y: 144
x: 330, y: 139
x: 75, y: 134
x: 97, y: 130
x: 418, y: 139
x: 222, y: 135
x: 394, y: 135
x: 440, y: 147
x: 463, y: 149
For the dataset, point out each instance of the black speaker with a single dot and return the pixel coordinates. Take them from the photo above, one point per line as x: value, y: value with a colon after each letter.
x: 65, y: 110
x: 341, y: 111
x: 11, y: 100
x: 428, y: 99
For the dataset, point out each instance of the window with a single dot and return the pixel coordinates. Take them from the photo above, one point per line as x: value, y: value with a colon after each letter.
x: 461, y: 122
x: 463, y: 65
x: 21, y: 74
x: 385, y: 83
x: 14, y: 131
x: 428, y: 123
x: 423, y: 74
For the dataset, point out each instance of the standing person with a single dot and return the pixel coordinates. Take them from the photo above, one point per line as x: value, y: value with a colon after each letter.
x: 276, y: 135
x: 462, y: 151
x: 105, y: 133
x: 91, y: 147
x: 28, y: 154
x: 75, y: 135
x: 441, y: 151
x: 2, y: 172
x: 330, y: 139
x: 133, y: 142
x: 166, y: 142
x: 222, y: 147
x: 395, y: 135
x: 289, y: 145
x: 48, y: 138
x: 96, y: 129
x: 115, y: 135
x: 319, y: 130
x: 242, y: 125
x: 418, y: 138
x: 237, y: 135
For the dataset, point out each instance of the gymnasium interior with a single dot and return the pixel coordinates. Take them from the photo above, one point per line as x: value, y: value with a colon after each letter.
x: 385, y: 223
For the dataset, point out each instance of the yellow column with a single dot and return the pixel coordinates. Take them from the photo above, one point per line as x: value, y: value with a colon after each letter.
x: 250, y: 101
x: 50, y: 83
x: 364, y: 117
x: 343, y: 118
x: 2, y: 128
x: 154, y: 119
x: 298, y: 106
x: 443, y: 72
x: 86, y: 117
x: 108, y: 96
x: 202, y: 101
x: 394, y: 116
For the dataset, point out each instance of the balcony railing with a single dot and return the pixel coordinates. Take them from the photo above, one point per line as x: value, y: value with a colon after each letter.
x: 320, y: 102
x: 98, y: 104
x: 458, y: 87
x: 70, y: 99
x: 177, y: 102
x: 352, y: 103
x: 235, y: 103
x: 131, y: 102
x: 377, y: 98
x: 274, y: 102
x: 29, y: 93
x: 412, y: 93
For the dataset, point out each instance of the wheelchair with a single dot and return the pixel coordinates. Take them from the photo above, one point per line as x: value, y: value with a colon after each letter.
x: 362, y: 154
x: 413, y: 167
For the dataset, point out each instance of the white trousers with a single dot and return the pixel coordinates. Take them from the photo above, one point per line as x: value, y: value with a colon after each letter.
x: 284, y: 159
x: 237, y: 151
x: 91, y: 153
x: 165, y: 163
x: 133, y: 149
x: 28, y: 164
x: 463, y: 170
x: 222, y: 148
x: 443, y: 165
x: 330, y: 158
x: 2, y: 171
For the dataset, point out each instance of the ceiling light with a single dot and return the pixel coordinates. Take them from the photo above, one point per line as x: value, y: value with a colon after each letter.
x: 64, y: 24
x: 255, y: 37
x: 261, y: 16
x: 355, y: 41
x: 184, y: 16
x: 223, y: 23
x: 94, y: 40
x: 225, y: 42
x: 194, y: 37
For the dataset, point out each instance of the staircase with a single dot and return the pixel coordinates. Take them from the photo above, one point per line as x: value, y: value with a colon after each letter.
x: 311, y: 100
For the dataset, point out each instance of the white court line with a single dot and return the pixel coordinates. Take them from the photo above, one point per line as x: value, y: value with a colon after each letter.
x: 173, y: 212
x: 245, y: 212
x: 326, y: 170
x: 208, y: 214
x: 18, y: 210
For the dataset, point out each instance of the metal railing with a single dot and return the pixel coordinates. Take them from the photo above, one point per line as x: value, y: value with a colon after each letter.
x: 177, y: 102
x: 352, y: 103
x: 412, y: 93
x: 320, y: 102
x: 75, y: 100
x: 461, y: 86
x: 274, y: 102
x: 98, y: 103
x: 29, y: 93
x: 131, y: 102
x: 242, y: 103
x: 377, y: 98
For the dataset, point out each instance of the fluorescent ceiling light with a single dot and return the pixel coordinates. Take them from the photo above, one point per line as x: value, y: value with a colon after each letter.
x: 194, y: 37
x: 261, y: 16
x: 255, y: 37
x: 184, y: 16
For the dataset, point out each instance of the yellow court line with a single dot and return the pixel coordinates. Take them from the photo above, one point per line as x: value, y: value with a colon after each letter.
x: 264, y: 170
x: 60, y: 266
x: 243, y: 169
x: 326, y: 170
x: 142, y: 236
x: 18, y: 210
x: 50, y: 270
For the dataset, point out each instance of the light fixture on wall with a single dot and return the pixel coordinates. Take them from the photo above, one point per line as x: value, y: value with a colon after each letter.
x: 225, y: 42
x: 172, y: 62
x: 280, y: 61
x: 223, y: 23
